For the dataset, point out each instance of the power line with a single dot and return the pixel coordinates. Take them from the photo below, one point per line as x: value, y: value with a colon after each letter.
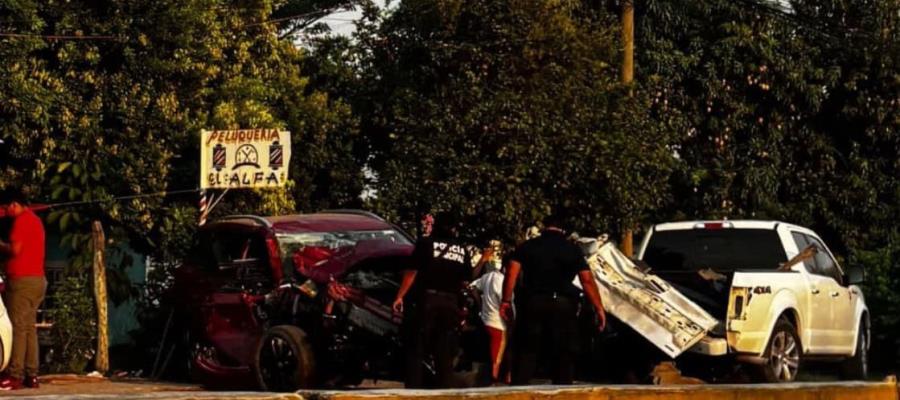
x: 56, y: 37
x: 323, y: 15
x: 282, y: 19
x: 339, y: 19
x: 118, y: 198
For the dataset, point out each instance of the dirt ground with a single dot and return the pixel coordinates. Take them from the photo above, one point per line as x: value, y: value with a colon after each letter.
x: 69, y: 386
x: 75, y: 384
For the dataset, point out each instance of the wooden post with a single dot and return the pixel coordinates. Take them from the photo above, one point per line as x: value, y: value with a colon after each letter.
x: 627, y: 242
x: 99, y: 242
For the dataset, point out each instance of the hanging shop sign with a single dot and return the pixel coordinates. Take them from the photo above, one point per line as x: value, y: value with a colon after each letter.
x: 244, y: 158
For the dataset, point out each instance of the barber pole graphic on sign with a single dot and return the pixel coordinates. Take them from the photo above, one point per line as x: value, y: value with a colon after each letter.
x: 276, y: 153
x: 219, y: 155
x: 204, y: 212
x: 244, y: 158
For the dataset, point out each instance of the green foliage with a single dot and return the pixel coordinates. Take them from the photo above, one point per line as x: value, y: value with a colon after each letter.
x: 782, y: 116
x: 88, y: 120
x: 505, y: 111
x: 74, y: 325
x: 745, y: 88
x: 882, y: 298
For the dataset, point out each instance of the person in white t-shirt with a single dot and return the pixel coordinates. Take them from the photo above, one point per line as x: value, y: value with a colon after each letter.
x: 490, y: 287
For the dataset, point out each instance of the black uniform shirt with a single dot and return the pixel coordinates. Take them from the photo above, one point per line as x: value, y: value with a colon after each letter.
x: 443, y: 265
x: 549, y: 264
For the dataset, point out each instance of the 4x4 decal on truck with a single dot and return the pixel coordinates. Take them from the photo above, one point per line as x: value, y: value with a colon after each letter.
x: 761, y: 290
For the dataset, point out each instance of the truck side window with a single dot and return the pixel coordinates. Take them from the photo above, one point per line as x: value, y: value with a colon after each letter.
x: 802, y: 242
x: 824, y: 263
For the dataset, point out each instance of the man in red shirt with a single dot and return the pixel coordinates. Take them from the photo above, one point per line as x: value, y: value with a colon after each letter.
x: 25, y: 288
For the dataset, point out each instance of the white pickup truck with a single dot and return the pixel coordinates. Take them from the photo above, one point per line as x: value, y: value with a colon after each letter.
x: 767, y: 293
x: 773, y: 313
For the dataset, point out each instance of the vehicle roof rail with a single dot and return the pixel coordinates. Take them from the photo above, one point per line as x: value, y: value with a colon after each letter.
x: 255, y: 218
x: 355, y: 212
x: 370, y: 214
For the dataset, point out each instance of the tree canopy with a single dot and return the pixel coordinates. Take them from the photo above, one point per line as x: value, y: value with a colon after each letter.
x: 503, y: 112
x: 86, y: 120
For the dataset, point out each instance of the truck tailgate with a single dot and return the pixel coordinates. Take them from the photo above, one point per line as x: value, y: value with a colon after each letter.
x: 645, y: 302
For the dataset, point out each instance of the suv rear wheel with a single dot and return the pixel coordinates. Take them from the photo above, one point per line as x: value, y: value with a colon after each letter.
x: 783, y: 354
x: 856, y: 367
x: 284, y: 360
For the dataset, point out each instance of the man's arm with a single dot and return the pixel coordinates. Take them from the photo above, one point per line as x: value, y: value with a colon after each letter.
x: 509, y: 286
x: 409, y: 276
x: 593, y: 294
x: 486, y: 255
x: 420, y: 257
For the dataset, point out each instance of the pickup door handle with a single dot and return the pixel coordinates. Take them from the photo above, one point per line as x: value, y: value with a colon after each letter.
x: 835, y: 294
x: 815, y: 291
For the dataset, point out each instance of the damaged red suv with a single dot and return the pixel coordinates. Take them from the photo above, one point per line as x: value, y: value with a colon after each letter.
x: 294, y: 301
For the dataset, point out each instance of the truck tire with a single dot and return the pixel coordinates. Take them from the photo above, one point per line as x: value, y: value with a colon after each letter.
x: 857, y: 367
x: 783, y: 354
x: 284, y: 360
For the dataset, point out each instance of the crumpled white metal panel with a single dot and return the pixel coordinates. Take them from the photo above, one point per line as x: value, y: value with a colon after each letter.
x: 645, y: 302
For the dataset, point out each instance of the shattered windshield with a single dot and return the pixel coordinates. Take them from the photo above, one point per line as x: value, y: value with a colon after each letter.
x: 717, y: 249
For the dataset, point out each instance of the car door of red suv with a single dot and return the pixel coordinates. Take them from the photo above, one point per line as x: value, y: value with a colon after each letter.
x: 239, y: 269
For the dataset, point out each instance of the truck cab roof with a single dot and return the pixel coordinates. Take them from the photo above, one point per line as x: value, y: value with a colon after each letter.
x: 730, y: 224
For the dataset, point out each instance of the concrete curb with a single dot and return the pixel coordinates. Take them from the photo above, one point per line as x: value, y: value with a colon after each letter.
x: 887, y: 390
x: 797, y: 391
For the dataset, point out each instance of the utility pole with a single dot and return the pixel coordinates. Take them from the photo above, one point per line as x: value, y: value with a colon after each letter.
x: 627, y: 77
x: 628, y: 41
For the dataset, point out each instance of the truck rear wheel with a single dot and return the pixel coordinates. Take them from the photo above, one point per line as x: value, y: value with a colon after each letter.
x: 284, y: 360
x: 856, y: 367
x: 783, y: 354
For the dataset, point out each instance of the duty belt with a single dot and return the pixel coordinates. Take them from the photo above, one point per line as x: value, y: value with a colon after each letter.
x: 441, y: 293
x: 557, y: 295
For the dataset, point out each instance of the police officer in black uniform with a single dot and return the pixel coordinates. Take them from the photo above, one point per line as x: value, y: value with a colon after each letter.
x: 547, y: 301
x: 441, y: 269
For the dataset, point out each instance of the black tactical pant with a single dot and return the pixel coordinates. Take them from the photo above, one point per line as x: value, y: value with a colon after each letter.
x: 546, y: 321
x: 431, y: 330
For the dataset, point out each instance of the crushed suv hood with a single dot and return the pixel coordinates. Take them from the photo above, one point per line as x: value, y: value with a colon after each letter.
x: 645, y: 302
